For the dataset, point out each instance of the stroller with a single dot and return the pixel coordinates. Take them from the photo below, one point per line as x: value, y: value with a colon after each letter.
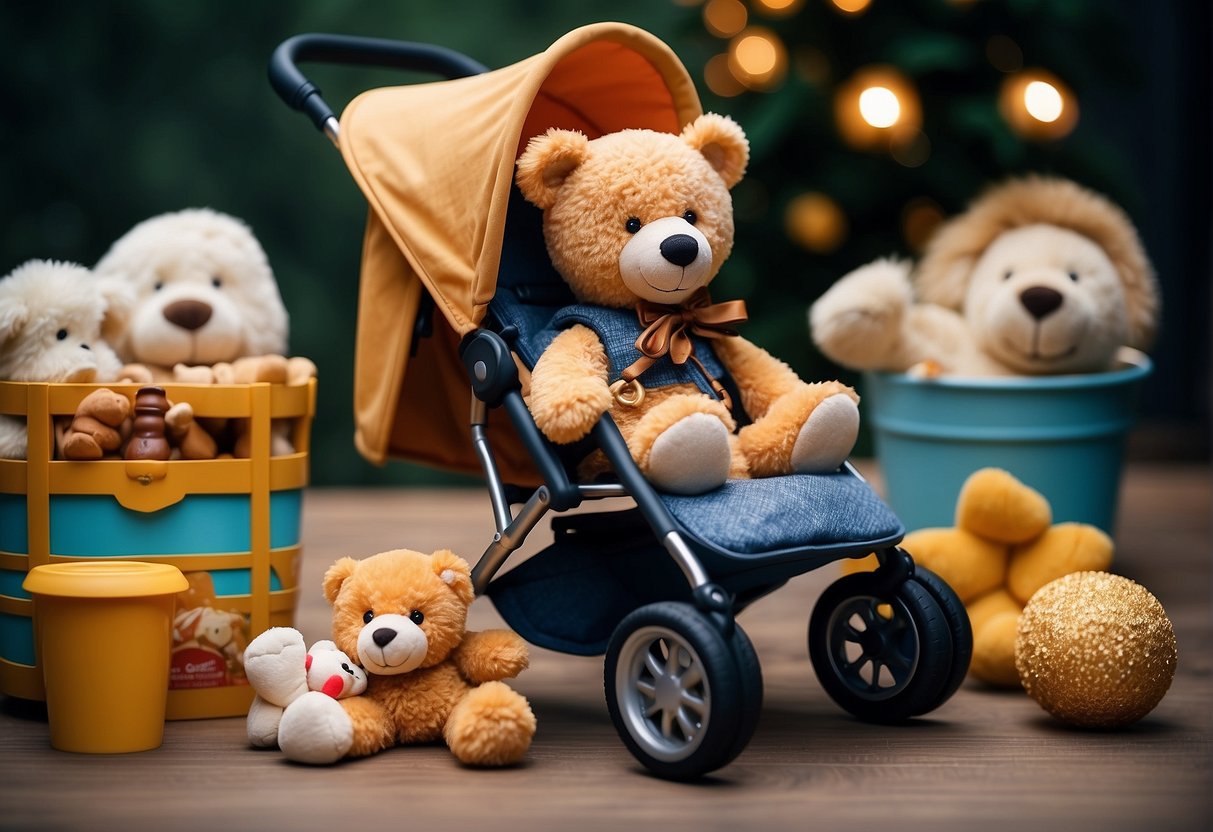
x: 456, y: 281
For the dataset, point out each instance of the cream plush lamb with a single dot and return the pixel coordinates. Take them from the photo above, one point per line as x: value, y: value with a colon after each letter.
x: 1038, y: 276
x: 283, y: 671
x: 51, y: 317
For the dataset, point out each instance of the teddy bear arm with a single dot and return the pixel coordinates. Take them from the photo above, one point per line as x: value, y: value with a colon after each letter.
x: 761, y: 378
x: 569, y: 385
x: 373, y: 727
x: 490, y: 656
x: 137, y: 373
x: 860, y: 322
x: 939, y: 335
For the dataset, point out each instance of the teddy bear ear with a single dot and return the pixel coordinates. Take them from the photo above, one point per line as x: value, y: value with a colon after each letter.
x: 335, y: 577
x: 722, y: 142
x: 13, y: 317
x: 455, y: 573
x: 119, y: 301
x: 547, y: 162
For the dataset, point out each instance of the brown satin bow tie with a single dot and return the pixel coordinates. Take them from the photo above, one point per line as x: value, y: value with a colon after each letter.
x: 668, y: 331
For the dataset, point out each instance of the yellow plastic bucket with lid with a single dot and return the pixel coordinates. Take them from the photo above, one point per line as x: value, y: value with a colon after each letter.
x: 232, y: 526
x: 102, y: 639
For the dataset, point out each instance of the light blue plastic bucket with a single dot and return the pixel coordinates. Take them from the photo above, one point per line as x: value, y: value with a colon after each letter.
x: 1062, y: 435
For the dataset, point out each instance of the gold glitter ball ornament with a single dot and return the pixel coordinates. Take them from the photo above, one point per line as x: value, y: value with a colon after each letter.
x: 1095, y: 649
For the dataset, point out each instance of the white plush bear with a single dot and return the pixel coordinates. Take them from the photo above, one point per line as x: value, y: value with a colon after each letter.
x: 51, y: 317
x: 283, y: 672
x: 1039, y: 276
x: 203, y: 290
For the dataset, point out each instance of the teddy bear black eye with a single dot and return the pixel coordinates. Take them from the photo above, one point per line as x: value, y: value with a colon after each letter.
x: 216, y: 281
x: 632, y: 225
x: 346, y: 668
x: 159, y: 285
x: 1074, y: 276
x: 416, y: 617
x: 367, y: 616
x: 690, y: 216
x: 1008, y: 274
x: 61, y: 334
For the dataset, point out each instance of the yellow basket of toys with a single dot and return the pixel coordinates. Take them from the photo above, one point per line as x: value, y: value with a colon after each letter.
x: 231, y: 525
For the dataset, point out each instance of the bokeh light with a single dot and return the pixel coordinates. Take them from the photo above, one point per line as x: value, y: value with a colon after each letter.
x: 724, y: 18
x: 913, y: 152
x: 758, y: 58
x: 1004, y: 54
x: 920, y: 218
x: 1043, y: 101
x: 720, y: 79
x: 878, y: 108
x: 777, y: 8
x: 816, y: 222
x: 852, y: 7
x: 1038, y: 105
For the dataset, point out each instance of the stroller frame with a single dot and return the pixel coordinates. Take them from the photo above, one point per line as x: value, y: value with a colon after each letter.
x: 681, y: 678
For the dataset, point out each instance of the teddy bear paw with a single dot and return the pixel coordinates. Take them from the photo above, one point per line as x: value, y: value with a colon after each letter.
x: 315, y: 729
x: 692, y: 456
x: 491, y: 726
x: 275, y: 663
x: 827, y: 436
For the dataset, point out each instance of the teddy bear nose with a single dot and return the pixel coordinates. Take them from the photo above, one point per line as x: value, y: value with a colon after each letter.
x: 1040, y: 301
x: 383, y: 636
x: 188, y: 314
x: 680, y: 249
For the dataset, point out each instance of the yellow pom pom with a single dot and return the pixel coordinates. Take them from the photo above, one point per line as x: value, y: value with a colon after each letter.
x: 997, y: 506
x: 971, y: 565
x: 1095, y: 649
x: 1065, y: 548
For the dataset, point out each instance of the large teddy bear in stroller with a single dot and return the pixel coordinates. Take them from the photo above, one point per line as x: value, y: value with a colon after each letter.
x: 638, y: 223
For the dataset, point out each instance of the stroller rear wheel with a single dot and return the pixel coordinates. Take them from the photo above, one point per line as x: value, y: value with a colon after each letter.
x: 958, y: 624
x: 682, y: 697
x: 882, y: 656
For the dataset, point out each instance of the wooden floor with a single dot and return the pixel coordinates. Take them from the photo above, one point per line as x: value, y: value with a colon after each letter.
x: 986, y: 760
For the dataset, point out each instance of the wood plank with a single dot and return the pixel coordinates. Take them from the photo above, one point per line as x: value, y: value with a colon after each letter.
x: 986, y: 757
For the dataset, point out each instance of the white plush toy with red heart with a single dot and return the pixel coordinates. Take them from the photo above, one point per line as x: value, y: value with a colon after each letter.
x: 282, y: 671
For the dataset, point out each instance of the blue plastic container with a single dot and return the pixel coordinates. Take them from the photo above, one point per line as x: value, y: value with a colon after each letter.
x: 1062, y: 435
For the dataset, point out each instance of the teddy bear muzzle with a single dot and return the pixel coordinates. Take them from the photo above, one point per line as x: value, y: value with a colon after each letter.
x: 666, y: 261
x: 391, y: 644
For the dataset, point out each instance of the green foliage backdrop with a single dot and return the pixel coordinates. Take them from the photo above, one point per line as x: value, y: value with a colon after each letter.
x: 115, y: 111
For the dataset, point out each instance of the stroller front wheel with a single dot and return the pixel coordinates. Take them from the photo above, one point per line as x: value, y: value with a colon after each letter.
x: 884, y: 657
x: 675, y: 691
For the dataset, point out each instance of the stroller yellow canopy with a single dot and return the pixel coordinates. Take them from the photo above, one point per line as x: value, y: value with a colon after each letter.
x: 436, y: 164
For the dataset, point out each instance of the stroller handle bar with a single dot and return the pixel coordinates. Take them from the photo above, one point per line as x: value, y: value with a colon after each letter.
x: 300, y: 94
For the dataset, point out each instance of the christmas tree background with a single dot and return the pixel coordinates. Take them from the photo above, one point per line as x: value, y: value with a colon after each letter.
x: 118, y: 111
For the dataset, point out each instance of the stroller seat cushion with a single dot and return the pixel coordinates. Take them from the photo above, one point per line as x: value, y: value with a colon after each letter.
x: 761, y: 516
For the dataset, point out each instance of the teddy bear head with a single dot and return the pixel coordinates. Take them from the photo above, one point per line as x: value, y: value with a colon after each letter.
x: 217, y: 628
x: 51, y: 317
x: 203, y: 290
x: 1050, y: 277
x: 332, y: 672
x: 636, y: 214
x: 400, y: 610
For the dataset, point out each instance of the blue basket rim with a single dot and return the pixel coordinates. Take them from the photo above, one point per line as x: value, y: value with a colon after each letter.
x: 1136, y: 365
